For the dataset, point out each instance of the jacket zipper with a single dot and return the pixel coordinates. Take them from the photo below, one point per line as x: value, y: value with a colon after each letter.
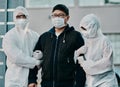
x: 54, y: 62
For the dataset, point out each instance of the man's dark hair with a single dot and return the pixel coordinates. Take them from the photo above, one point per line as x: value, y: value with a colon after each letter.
x: 61, y: 7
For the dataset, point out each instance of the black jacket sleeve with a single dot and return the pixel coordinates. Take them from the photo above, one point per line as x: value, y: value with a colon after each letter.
x: 33, y: 75
x: 80, y: 73
x: 79, y: 40
x: 80, y: 76
x: 32, y: 78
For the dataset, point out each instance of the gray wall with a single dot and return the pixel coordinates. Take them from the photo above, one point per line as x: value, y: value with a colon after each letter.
x: 109, y: 16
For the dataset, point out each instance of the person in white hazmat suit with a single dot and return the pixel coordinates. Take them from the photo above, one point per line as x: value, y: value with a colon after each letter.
x: 97, y: 60
x: 18, y: 45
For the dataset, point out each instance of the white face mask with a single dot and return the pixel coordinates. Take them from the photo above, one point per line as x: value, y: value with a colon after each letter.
x: 85, y: 34
x: 58, y: 22
x: 90, y: 33
x: 21, y: 23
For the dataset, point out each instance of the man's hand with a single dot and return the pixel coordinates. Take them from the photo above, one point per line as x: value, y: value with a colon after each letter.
x: 32, y: 85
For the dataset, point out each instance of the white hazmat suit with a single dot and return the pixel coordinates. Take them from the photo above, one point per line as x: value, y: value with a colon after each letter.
x: 98, y: 54
x: 18, y: 45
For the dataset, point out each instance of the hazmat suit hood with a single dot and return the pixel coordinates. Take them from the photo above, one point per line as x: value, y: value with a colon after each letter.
x: 21, y: 23
x: 18, y: 10
x: 90, y: 26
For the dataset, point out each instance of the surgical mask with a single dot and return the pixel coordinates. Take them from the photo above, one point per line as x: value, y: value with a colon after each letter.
x: 89, y: 33
x: 21, y: 23
x: 92, y: 33
x: 58, y: 22
x: 92, y: 30
x: 85, y: 34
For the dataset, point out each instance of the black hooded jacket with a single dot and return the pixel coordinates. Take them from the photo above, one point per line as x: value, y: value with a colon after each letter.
x: 58, y: 55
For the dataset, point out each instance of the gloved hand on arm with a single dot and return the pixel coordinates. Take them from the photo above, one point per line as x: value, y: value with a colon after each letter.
x: 38, y: 55
x: 81, y: 50
x: 79, y: 54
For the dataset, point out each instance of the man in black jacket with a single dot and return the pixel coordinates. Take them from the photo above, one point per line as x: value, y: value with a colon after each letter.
x: 58, y: 46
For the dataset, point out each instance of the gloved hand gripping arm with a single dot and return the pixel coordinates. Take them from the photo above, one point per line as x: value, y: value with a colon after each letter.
x: 37, y: 54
